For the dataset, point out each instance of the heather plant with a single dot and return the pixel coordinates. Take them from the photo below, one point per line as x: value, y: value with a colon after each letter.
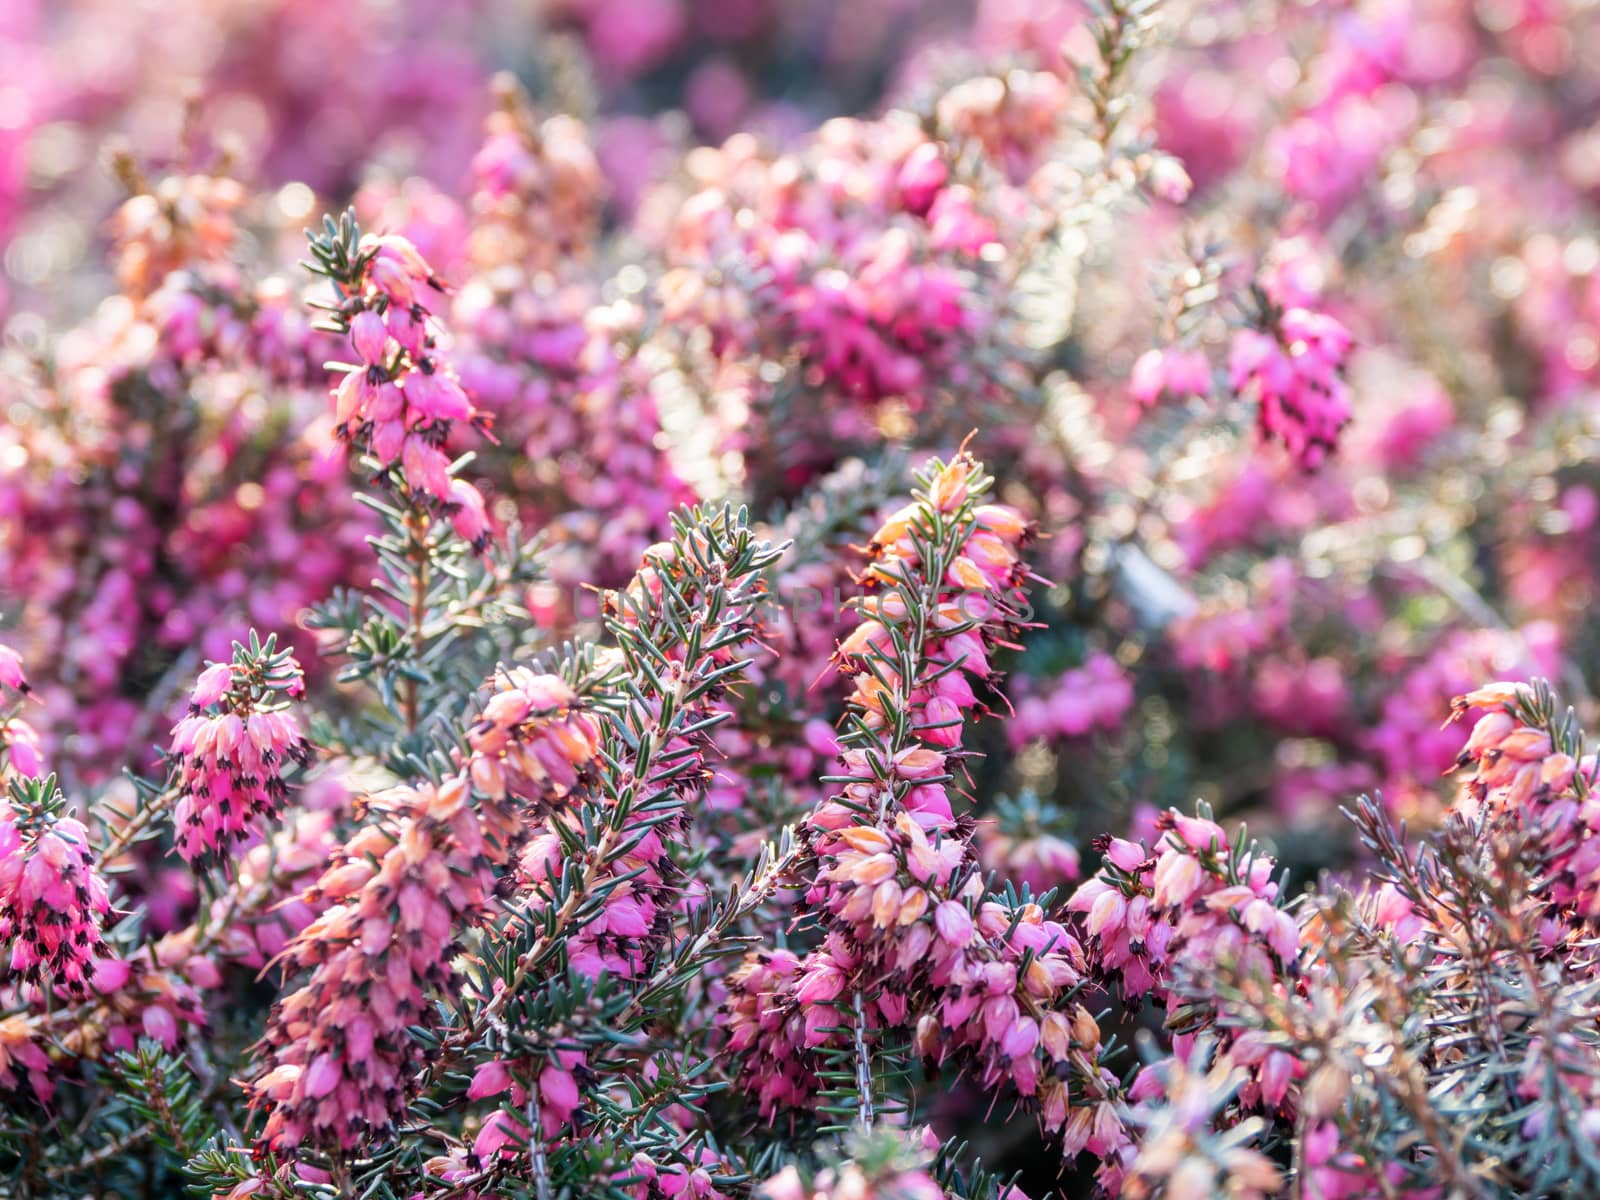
x: 798, y: 601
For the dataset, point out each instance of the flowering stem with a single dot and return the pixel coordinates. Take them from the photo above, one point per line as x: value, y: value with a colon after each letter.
x: 864, y: 1112
x: 536, y: 1157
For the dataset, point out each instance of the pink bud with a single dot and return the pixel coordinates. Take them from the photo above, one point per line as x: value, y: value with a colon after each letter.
x: 468, y: 517
x: 954, y: 923
x: 369, y: 336
x: 490, y: 1079
x: 212, y: 685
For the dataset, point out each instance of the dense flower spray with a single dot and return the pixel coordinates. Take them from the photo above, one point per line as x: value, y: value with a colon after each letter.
x: 401, y: 397
x: 909, y: 939
x: 1293, y: 367
x: 53, y: 899
x: 233, y: 748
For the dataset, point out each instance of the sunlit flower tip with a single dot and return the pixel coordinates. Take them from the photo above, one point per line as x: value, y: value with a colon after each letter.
x: 1505, y: 696
x: 1177, y: 877
x: 1003, y: 521
x: 1169, y: 180
x: 897, y: 525
x: 1196, y: 833
x: 949, y: 490
x: 1107, y: 912
x: 919, y: 762
x: 212, y: 685
x: 1125, y: 855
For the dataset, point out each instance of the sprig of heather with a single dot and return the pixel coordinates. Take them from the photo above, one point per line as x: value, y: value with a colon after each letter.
x: 53, y: 899
x: 401, y: 398
x: 1441, y: 1024
x: 910, y: 942
x: 592, y: 933
x: 1292, y: 360
x: 1529, y: 764
x: 338, y: 1063
x: 233, y: 748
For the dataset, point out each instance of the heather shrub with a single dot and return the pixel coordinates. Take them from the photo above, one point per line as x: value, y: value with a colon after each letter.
x: 799, y: 602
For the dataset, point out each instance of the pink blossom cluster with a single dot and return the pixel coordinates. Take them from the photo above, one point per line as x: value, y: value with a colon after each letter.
x: 555, y: 365
x: 537, y: 191
x: 337, y: 1062
x: 20, y: 740
x: 1154, y: 919
x: 182, y: 412
x: 402, y: 397
x: 53, y: 899
x: 1413, y: 742
x: 642, y: 883
x: 232, y: 750
x: 662, y: 1181
x: 862, y: 253
x: 337, y: 1059
x: 531, y: 742
x: 908, y: 930
x: 1332, y: 148
x: 1082, y: 700
x: 1516, y: 769
x: 1294, y: 370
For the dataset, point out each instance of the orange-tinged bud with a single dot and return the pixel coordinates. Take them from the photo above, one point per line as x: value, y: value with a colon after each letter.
x: 949, y: 490
x: 875, y: 868
x: 866, y: 839
x: 897, y: 526
x: 913, y: 903
x: 1001, y: 520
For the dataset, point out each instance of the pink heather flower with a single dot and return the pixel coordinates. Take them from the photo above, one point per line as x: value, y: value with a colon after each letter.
x: 1515, y: 770
x: 501, y: 1134
x: 1152, y: 920
x: 212, y: 685
x: 53, y: 899
x: 338, y: 1064
x: 369, y: 335
x: 11, y: 673
x: 403, y: 406
x: 533, y: 741
x: 690, y: 1179
x: 1295, y: 372
x: 23, y: 1060
x: 467, y: 514
x: 231, y: 751
x: 967, y: 975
